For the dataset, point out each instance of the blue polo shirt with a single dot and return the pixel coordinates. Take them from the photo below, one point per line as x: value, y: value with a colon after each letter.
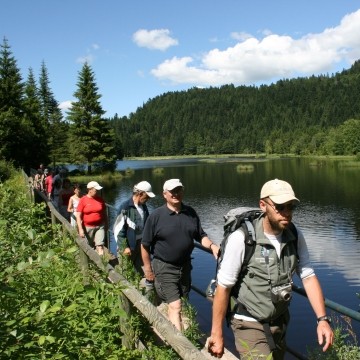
x: 171, y: 235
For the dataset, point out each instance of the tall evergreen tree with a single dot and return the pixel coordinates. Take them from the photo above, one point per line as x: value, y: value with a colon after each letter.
x: 11, y: 86
x: 11, y: 108
x: 37, y: 149
x: 91, y: 139
x: 53, y: 120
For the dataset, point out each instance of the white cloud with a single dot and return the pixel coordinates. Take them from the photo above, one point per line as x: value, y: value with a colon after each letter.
x: 85, y: 59
x: 254, y: 60
x: 240, y: 36
x: 65, y: 105
x: 159, y: 39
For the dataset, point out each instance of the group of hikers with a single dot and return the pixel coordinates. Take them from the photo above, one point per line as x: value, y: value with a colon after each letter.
x: 159, y: 245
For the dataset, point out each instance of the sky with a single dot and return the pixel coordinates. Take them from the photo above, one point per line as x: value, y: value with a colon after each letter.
x: 140, y: 49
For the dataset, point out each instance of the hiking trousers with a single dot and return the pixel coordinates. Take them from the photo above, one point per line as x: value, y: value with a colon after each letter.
x: 251, y: 341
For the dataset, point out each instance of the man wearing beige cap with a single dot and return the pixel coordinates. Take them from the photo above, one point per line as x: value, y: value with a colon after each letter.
x: 169, y: 235
x: 261, y: 316
x: 130, y: 223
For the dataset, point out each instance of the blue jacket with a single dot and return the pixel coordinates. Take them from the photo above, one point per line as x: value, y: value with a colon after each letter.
x: 125, y: 224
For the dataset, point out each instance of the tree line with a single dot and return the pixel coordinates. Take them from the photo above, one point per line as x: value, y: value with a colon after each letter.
x: 33, y: 129
x: 315, y: 115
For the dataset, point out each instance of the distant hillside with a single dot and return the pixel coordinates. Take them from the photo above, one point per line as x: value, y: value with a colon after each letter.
x: 303, y: 115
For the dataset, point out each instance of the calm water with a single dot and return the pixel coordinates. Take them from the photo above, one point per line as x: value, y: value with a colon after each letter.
x: 329, y: 215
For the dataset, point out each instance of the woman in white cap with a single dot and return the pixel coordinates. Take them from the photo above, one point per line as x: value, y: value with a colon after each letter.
x: 91, y: 217
x: 130, y: 223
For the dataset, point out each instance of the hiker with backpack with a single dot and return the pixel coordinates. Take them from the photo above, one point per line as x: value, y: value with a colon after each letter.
x: 255, y: 297
x: 168, y: 237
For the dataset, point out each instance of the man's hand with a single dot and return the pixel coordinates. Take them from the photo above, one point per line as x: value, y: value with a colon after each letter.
x: 324, y: 331
x: 127, y: 251
x: 215, y: 250
x: 215, y: 346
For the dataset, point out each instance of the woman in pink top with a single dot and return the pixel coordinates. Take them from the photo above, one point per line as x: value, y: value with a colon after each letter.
x: 91, y: 217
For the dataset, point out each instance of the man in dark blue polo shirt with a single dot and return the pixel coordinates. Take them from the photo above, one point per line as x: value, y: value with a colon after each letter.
x: 169, y: 236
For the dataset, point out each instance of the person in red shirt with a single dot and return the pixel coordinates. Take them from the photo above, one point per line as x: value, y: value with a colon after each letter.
x: 48, y: 182
x: 91, y: 217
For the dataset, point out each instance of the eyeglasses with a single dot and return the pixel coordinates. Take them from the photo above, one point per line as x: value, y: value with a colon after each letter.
x: 281, y: 207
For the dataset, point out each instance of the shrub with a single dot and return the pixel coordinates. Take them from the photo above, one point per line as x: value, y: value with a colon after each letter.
x: 46, y: 311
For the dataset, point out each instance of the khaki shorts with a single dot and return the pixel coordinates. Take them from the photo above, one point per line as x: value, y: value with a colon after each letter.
x: 95, y: 235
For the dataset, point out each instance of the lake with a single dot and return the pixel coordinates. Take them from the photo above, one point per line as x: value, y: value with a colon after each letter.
x: 329, y: 216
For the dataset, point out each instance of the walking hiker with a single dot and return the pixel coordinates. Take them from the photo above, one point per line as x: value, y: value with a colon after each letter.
x: 130, y: 223
x: 169, y: 236
x: 261, y: 315
x: 91, y: 217
x: 73, y: 204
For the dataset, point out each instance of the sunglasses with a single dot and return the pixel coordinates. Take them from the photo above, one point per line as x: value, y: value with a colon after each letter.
x: 282, y: 207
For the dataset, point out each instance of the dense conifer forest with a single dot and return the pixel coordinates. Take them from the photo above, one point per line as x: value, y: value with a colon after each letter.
x: 315, y: 115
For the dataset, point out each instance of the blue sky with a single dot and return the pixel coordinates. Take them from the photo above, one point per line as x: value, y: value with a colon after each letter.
x: 140, y: 49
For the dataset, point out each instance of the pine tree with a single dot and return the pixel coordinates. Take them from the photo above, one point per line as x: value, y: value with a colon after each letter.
x: 12, y: 130
x: 53, y: 120
x: 11, y: 86
x: 37, y: 149
x: 92, y: 139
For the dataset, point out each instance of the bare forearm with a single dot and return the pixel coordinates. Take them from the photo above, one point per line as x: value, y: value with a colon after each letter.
x: 207, y: 243
x: 315, y: 295
x: 146, y: 258
x: 220, y: 304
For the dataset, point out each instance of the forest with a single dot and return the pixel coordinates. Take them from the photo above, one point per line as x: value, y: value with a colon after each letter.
x: 317, y: 115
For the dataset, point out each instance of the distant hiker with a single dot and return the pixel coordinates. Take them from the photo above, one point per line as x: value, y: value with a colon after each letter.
x: 169, y: 236
x: 261, y: 312
x: 38, y: 179
x: 64, y: 196
x: 48, y: 183
x: 73, y: 204
x: 130, y: 223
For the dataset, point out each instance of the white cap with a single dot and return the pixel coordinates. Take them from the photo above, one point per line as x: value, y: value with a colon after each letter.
x: 172, y: 184
x: 94, y: 184
x: 146, y: 187
x: 278, y: 191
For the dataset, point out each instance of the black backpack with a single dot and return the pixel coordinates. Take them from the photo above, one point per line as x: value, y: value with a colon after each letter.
x: 242, y: 217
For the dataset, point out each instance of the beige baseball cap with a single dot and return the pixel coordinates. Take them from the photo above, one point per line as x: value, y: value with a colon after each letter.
x: 279, y: 191
x: 144, y: 186
x: 94, y: 184
x: 172, y: 184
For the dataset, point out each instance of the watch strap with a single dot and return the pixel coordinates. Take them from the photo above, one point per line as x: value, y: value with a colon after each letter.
x: 324, y: 318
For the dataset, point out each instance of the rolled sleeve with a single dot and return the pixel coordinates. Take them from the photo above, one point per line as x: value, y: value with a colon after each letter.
x: 304, y: 268
x: 233, y: 258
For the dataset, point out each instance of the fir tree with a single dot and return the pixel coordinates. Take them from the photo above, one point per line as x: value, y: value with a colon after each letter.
x: 53, y: 120
x: 92, y: 139
x: 11, y: 86
x: 37, y: 149
x: 12, y: 130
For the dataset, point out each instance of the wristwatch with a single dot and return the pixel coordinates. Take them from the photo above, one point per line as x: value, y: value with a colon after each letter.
x: 324, y: 318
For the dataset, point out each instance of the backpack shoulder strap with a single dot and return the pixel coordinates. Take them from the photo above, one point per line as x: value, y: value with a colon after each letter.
x: 293, y: 229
